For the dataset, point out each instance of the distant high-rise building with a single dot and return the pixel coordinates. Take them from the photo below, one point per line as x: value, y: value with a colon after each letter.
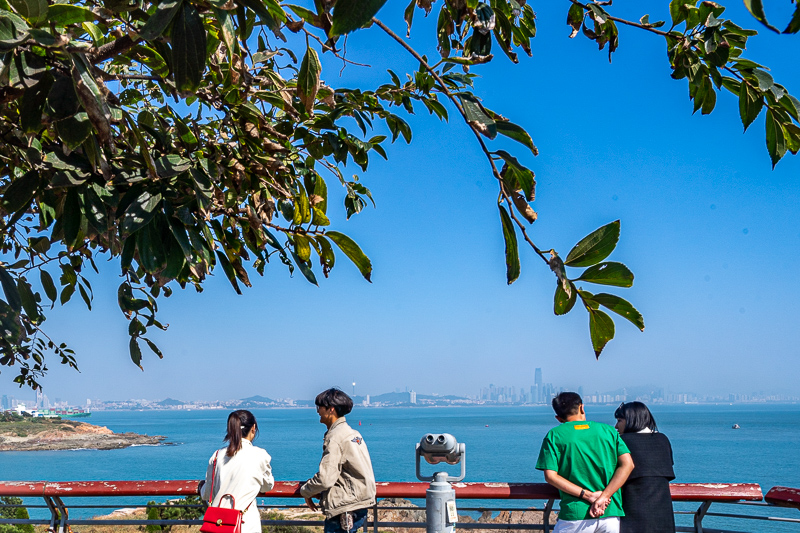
x: 537, y: 382
x: 6, y: 403
x: 413, y: 395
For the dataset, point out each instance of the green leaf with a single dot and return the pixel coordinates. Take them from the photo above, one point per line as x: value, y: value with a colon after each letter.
x: 136, y: 353
x: 10, y: 289
x: 408, y: 16
x: 757, y: 10
x: 765, y: 80
x: 74, y: 130
x: 594, y: 247
x: 353, y: 252
x: 48, y: 285
x: 750, y: 104
x: 302, y: 247
x: 776, y: 142
x: 140, y: 212
x: 149, y: 243
x: 677, y: 11
x: 158, y: 21
x: 512, y: 249
x: 64, y: 14
x: 28, y: 300
x: 305, y: 269
x: 327, y: 259
x: 794, y: 24
x: 188, y: 48
x: 34, y: 11
x: 86, y: 299
x: 517, y: 133
x: 610, y: 273
x: 350, y: 15
x: 622, y: 307
x: 31, y: 105
x: 308, y: 79
x: 562, y: 302
x: 476, y: 116
x: 153, y: 347
x: 601, y: 329
x: 19, y: 194
x: 229, y: 272
x: 72, y: 218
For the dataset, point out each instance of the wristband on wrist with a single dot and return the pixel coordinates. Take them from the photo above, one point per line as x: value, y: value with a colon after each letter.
x: 583, y: 491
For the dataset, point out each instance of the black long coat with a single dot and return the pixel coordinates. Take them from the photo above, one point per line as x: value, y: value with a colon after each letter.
x: 645, y: 496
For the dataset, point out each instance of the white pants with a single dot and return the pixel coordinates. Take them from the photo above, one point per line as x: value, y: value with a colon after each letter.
x: 593, y: 525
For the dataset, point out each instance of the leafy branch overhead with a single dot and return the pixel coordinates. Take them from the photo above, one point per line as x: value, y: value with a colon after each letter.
x: 187, y: 137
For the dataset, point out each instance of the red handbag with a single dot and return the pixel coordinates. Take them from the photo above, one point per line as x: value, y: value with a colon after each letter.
x: 221, y: 519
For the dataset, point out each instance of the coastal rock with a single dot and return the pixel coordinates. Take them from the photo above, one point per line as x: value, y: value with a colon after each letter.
x: 67, y: 435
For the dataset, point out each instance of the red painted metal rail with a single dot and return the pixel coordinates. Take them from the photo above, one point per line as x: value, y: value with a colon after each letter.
x: 783, y: 497
x: 714, y: 492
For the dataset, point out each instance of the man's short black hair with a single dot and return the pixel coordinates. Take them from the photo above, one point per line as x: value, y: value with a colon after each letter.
x: 335, y: 398
x: 567, y: 404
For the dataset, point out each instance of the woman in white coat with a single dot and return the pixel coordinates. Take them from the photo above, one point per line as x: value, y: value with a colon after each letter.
x: 241, y: 470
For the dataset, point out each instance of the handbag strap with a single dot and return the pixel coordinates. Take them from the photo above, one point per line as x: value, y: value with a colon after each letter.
x: 213, y: 474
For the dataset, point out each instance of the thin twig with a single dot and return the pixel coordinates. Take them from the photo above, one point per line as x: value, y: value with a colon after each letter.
x: 477, y: 134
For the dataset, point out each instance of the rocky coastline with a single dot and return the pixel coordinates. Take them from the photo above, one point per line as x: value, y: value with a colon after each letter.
x: 49, y: 435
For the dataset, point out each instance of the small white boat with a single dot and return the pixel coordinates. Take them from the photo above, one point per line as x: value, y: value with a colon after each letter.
x: 736, y: 426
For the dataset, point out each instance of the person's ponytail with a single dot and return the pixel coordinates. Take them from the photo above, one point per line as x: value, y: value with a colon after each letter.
x: 239, y: 424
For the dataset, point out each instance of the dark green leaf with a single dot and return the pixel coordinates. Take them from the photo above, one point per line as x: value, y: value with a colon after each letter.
x: 34, y: 11
x: 765, y: 80
x: 677, y: 11
x: 622, y: 307
x: 72, y: 218
x: 477, y: 117
x: 19, y: 194
x: 136, y: 353
x: 308, y: 79
x: 86, y: 299
x: 158, y: 21
x: 776, y: 142
x: 153, y: 347
x: 512, y: 249
x: 74, y: 130
x: 302, y: 247
x: 353, y: 252
x: 48, y: 285
x: 64, y: 14
x: 188, y: 48
x: 794, y: 24
x: 140, y: 212
x: 10, y: 288
x: 408, y: 16
x: 562, y: 302
x: 150, y: 245
x: 229, y: 272
x: 28, y: 300
x: 350, y: 15
x: 757, y: 10
x: 750, y: 104
x: 517, y: 133
x: 601, y: 329
x: 594, y: 247
x: 305, y: 268
x: 610, y: 273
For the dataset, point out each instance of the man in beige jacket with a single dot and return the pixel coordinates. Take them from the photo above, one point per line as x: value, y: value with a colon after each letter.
x: 345, y: 484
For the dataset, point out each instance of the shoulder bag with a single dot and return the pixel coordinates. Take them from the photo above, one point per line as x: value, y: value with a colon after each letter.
x: 221, y: 519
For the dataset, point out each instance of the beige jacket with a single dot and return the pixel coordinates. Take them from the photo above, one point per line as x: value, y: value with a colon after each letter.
x: 242, y: 476
x: 345, y: 481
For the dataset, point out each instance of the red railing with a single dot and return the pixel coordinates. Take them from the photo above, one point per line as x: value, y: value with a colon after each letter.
x: 706, y: 493
x: 683, y: 492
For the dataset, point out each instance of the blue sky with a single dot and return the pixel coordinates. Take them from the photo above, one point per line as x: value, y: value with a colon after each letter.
x: 710, y: 231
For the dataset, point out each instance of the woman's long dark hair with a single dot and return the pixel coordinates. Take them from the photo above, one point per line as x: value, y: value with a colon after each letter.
x: 636, y: 416
x: 239, y: 424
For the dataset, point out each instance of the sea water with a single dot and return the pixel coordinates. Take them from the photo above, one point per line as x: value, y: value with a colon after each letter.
x: 502, y: 445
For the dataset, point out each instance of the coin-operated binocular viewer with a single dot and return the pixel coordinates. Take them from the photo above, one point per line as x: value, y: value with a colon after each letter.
x: 440, y: 498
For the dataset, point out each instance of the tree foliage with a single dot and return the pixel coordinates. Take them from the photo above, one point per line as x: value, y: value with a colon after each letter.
x: 185, y: 137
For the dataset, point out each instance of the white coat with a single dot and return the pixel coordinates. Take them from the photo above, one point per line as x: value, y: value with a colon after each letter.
x: 242, y: 476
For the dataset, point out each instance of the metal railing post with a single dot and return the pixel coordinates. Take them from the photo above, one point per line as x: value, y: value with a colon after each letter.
x: 548, y: 508
x: 374, y: 519
x: 699, y: 515
x: 62, y: 526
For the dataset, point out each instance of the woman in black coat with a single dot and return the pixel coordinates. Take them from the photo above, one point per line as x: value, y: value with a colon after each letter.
x: 645, y: 496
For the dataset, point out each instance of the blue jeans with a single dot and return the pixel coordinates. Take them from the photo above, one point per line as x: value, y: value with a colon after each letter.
x: 333, y: 525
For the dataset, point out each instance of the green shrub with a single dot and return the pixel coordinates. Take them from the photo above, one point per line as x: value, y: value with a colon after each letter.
x: 14, y: 512
x: 173, y: 511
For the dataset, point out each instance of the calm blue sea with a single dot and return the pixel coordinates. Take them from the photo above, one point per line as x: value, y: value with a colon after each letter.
x: 502, y: 444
